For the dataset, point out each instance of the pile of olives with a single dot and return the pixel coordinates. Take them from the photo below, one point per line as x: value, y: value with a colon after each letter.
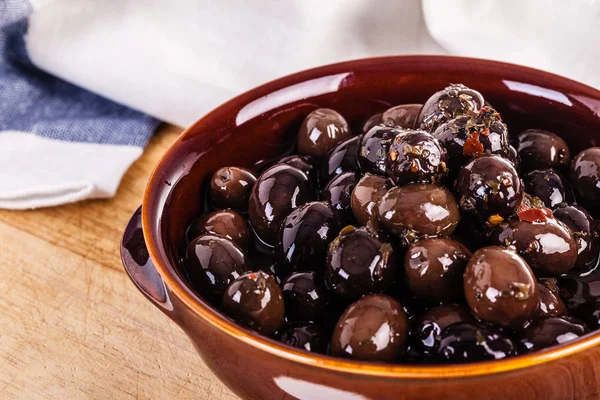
x: 430, y: 236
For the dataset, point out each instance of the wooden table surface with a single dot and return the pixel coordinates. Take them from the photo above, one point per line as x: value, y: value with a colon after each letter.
x: 72, y: 325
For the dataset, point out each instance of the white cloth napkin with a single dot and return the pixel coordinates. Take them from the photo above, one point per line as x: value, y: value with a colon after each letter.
x: 176, y: 60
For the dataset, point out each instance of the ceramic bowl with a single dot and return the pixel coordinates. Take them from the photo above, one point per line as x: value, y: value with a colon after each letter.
x: 261, y: 124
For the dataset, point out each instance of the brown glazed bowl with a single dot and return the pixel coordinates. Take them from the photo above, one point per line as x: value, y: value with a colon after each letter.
x: 261, y: 124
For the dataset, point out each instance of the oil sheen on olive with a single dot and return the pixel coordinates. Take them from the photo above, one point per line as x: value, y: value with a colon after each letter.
x: 255, y: 300
x: 426, y: 335
x: 418, y: 211
x: 212, y: 262
x: 545, y: 243
x: 230, y: 187
x: 585, y: 232
x: 549, y: 186
x: 451, y: 102
x: 307, y: 337
x: 550, y: 303
x: 305, y: 297
x: 402, y: 116
x: 416, y: 157
x: 227, y: 223
x: 305, y: 164
x: 473, y: 134
x: 551, y: 331
x: 374, y: 328
x: 304, y: 237
x: 470, y: 342
x: 539, y: 149
x: 434, y: 269
x: 279, y: 190
x: 321, y: 131
x: 373, y: 148
x: 489, y: 186
x: 341, y: 159
x: 500, y: 287
x: 365, y: 196
x: 338, y: 192
x: 358, y: 263
x: 585, y: 178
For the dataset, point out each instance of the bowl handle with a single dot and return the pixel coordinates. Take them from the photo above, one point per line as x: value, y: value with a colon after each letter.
x: 139, y: 266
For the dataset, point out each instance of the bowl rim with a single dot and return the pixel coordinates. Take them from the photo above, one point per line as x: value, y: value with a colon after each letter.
x: 399, y: 371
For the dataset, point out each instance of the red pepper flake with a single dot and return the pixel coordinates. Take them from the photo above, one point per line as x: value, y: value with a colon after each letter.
x: 473, y: 146
x: 252, y: 276
x: 506, y: 181
x: 485, y: 132
x: 534, y: 215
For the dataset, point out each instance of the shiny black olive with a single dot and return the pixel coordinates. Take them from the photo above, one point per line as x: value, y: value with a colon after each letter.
x: 416, y: 157
x: 539, y: 149
x: 585, y: 232
x: 454, y: 101
x: 255, y: 300
x: 341, y: 159
x: 307, y: 337
x: 279, y: 190
x: 373, y: 148
x: 230, y: 187
x: 551, y: 331
x: 585, y: 178
x: 402, y: 116
x: 321, y: 131
x: 358, y: 263
x: 549, y: 186
x: 489, y: 186
x: 428, y: 327
x: 212, y: 262
x: 473, y: 134
x: 304, y: 237
x: 469, y: 342
x: 338, y: 192
x: 305, y: 297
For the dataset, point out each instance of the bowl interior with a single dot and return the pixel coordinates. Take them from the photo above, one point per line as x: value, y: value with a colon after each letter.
x: 262, y: 124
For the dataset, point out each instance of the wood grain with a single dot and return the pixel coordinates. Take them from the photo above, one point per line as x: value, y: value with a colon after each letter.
x: 72, y: 325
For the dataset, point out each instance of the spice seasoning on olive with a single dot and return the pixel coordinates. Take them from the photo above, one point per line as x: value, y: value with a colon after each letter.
x: 434, y: 269
x: 416, y: 157
x: 358, y: 263
x: 402, y: 116
x: 212, y: 262
x: 338, y: 191
x: 426, y: 335
x: 373, y: 328
x: 473, y: 134
x: 585, y: 231
x: 373, y: 148
x: 365, y: 196
x: 489, y: 188
x: 418, y: 211
x: 226, y: 223
x: 549, y: 186
x: 585, y: 178
x: 550, y: 303
x: 538, y: 149
x: 279, y: 190
x: 304, y: 237
x: 470, y: 342
x: 255, y: 300
x: 454, y: 101
x: 546, y: 244
x: 551, y: 331
x: 500, y: 287
x: 321, y: 131
x: 307, y: 337
x: 305, y: 297
x: 230, y: 187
